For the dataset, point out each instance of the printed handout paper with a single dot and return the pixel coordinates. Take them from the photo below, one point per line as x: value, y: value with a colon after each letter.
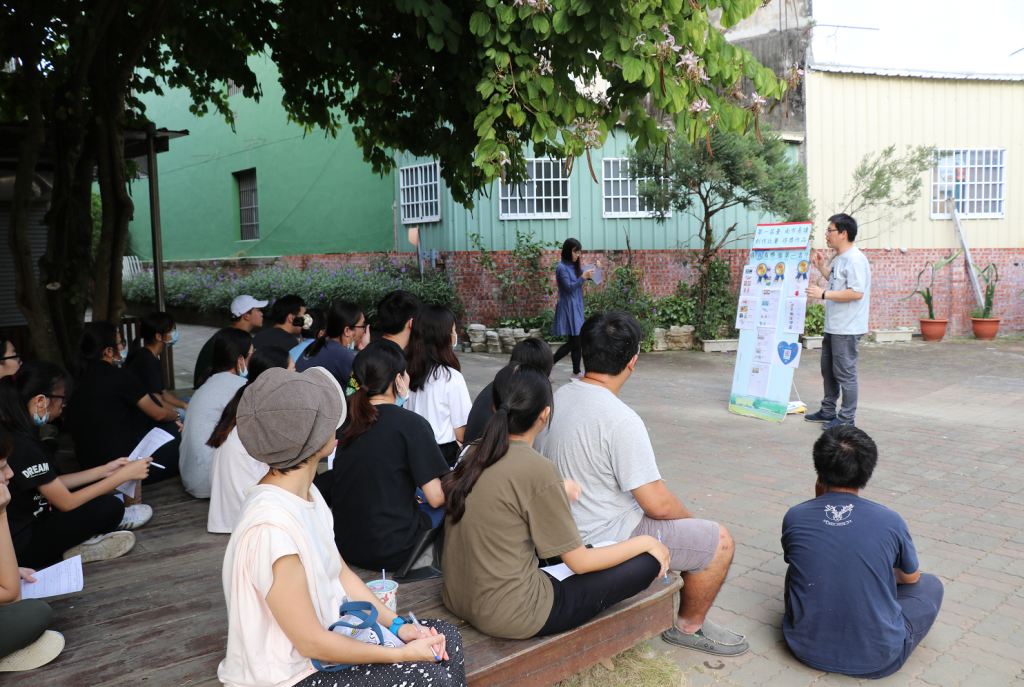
x: 63, y: 578
x: 768, y: 307
x: 758, y: 385
x: 796, y: 308
x: 747, y: 286
x: 763, y: 345
x: 746, y: 313
x: 146, y: 448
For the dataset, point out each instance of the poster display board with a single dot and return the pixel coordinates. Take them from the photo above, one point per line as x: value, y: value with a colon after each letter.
x: 770, y: 318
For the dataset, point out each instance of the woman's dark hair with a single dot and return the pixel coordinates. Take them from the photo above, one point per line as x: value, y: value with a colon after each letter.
x: 520, y: 394
x: 96, y: 338
x: 3, y: 345
x: 430, y: 346
x: 374, y: 369
x: 341, y: 315
x: 567, y: 249
x: 229, y: 344
x: 319, y: 321
x: 261, y: 361
x: 844, y: 456
x: 32, y: 379
x: 536, y: 352
x: 6, y: 445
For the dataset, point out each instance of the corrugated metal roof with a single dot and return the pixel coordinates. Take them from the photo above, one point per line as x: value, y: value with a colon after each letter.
x: 915, y: 73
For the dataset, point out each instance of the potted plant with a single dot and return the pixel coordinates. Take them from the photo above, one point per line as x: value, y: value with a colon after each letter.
x: 984, y: 325
x: 814, y: 326
x: 933, y: 328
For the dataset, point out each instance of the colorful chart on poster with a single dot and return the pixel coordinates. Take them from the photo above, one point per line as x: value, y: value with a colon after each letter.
x: 770, y: 314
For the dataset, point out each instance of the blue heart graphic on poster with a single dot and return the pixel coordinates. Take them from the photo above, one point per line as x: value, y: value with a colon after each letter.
x: 787, y: 354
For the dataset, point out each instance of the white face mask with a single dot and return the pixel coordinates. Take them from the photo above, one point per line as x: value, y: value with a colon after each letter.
x: 401, y: 397
x: 118, y: 356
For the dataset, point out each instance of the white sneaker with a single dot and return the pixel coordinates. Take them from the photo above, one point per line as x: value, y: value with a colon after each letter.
x: 135, y: 516
x: 103, y: 547
x: 38, y: 653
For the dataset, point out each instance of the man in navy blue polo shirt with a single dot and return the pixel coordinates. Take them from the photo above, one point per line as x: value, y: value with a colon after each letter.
x: 856, y: 602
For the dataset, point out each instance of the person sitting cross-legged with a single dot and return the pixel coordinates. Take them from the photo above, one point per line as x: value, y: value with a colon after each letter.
x: 856, y: 602
x: 600, y: 442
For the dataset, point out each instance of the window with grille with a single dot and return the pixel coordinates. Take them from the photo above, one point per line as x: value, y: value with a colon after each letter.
x: 420, y: 192
x: 974, y: 178
x: 233, y: 88
x: 544, y: 195
x: 248, y: 206
x: 619, y: 191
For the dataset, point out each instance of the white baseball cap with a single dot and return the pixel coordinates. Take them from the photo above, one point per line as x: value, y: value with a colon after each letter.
x: 244, y: 304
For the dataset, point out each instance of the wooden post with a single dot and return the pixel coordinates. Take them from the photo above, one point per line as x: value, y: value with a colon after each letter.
x: 167, y: 359
x: 978, y: 299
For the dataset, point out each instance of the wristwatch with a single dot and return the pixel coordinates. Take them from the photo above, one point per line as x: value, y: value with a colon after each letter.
x: 396, y: 624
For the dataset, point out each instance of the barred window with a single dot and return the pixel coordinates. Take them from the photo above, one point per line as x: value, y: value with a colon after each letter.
x: 974, y: 178
x: 544, y: 195
x: 420, y: 192
x: 234, y: 88
x: 248, y: 205
x: 619, y: 191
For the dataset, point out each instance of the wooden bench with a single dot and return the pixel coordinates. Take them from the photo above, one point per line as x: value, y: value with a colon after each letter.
x: 156, y: 617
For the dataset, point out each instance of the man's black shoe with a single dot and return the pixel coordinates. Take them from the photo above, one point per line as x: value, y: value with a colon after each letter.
x: 819, y: 416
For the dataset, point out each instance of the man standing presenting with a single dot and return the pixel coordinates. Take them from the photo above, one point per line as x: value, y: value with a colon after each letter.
x: 847, y: 299
x: 245, y: 315
x: 599, y: 441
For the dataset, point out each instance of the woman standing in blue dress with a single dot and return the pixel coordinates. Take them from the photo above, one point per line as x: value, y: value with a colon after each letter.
x: 569, y: 314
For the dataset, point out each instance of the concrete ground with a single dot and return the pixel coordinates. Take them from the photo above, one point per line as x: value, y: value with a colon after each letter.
x: 949, y: 422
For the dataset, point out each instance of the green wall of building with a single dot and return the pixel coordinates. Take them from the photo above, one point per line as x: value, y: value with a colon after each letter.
x: 315, y: 193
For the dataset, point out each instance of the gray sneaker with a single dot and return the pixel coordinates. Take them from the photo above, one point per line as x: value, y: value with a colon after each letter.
x: 711, y: 638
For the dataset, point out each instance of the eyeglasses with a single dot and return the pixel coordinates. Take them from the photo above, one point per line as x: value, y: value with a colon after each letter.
x: 359, y: 326
x: 63, y: 399
x: 11, y: 357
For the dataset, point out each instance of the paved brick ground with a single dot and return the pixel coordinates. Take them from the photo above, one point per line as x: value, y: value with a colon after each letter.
x: 948, y: 420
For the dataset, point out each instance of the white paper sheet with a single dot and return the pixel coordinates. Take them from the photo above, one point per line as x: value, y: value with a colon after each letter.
x: 747, y: 285
x: 758, y: 385
x: 786, y: 354
x: 746, y: 313
x: 63, y: 578
x: 796, y: 284
x: 764, y: 342
x: 562, y: 571
x: 597, y: 278
x: 146, y: 448
x: 330, y: 458
x: 768, y: 307
x: 793, y: 319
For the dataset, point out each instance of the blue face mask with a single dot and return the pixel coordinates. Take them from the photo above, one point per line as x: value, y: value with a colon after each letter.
x: 174, y: 338
x: 399, y: 399
x: 243, y: 373
x: 40, y: 421
x: 351, y: 345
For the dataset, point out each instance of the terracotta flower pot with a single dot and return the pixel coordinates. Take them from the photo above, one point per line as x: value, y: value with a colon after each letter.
x: 933, y: 330
x: 985, y: 329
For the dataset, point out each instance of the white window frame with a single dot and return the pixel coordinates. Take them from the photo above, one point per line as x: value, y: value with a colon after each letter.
x: 612, y: 188
x: 546, y: 195
x: 982, y: 189
x: 420, y: 193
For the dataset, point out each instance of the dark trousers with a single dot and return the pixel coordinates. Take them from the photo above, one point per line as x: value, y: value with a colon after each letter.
x: 166, y: 455
x: 55, y: 532
x: 22, y: 623
x: 839, y: 373
x: 574, y: 347
x: 450, y: 452
x: 580, y: 597
x: 920, y: 604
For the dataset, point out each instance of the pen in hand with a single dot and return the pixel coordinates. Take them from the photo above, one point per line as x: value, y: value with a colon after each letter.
x: 412, y: 617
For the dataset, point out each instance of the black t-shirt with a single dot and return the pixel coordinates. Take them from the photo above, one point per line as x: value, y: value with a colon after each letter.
x: 376, y: 518
x: 146, y: 367
x: 100, y: 414
x: 32, y: 467
x: 275, y: 336
x: 479, y: 415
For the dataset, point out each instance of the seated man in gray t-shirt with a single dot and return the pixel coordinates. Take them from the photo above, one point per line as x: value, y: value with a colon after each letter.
x: 599, y: 441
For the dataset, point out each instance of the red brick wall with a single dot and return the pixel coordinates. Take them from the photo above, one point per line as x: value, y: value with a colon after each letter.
x: 893, y: 277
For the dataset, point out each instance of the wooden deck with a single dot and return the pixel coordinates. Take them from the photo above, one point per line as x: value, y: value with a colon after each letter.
x: 156, y: 617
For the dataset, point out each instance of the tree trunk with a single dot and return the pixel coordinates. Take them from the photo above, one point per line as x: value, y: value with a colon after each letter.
x: 707, y: 254
x: 30, y: 292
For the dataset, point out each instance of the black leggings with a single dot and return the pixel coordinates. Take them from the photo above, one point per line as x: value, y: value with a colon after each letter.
x: 572, y: 346
x: 23, y: 622
x: 580, y: 597
x: 56, y: 532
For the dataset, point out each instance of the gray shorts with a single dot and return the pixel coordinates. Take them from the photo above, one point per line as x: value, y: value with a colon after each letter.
x: 691, y: 542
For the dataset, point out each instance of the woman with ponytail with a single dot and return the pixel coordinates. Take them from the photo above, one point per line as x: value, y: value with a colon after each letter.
x: 53, y: 515
x: 386, y: 458
x: 505, y: 505
x: 233, y: 470
x: 335, y: 348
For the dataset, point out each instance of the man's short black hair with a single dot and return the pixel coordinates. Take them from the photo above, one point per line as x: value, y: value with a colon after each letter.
x: 845, y: 457
x: 845, y: 222
x: 395, y: 309
x: 535, y: 352
x: 285, y: 306
x: 610, y: 340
